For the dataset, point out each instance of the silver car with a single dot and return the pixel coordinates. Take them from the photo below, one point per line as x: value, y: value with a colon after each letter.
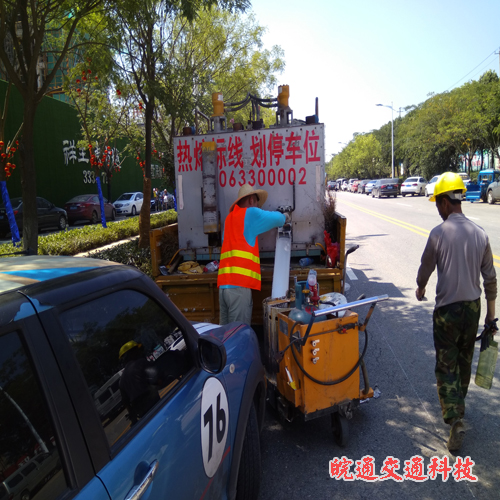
x: 493, y: 190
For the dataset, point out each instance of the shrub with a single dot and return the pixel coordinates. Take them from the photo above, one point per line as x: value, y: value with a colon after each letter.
x: 90, y: 237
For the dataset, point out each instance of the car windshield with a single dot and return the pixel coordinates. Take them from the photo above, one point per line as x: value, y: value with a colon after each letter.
x: 435, y: 178
x: 125, y: 196
x: 412, y: 179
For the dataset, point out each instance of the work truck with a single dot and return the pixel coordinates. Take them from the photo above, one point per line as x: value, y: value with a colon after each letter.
x: 287, y: 160
x: 480, y: 189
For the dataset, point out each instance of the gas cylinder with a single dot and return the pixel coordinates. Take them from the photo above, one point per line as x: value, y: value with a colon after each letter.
x: 306, y: 299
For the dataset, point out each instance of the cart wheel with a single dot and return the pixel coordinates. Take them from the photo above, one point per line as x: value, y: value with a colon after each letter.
x: 340, y: 429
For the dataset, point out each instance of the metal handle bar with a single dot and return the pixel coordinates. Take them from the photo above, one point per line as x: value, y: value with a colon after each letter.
x: 350, y: 305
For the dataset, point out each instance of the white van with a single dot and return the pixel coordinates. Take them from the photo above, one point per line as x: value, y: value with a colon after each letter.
x: 30, y: 477
x: 108, y: 399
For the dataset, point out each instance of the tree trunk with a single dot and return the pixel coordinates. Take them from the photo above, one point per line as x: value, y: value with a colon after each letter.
x: 108, y: 188
x: 145, y: 217
x: 28, y: 180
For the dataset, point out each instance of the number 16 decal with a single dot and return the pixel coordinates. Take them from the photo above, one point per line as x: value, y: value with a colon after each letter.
x: 214, y: 424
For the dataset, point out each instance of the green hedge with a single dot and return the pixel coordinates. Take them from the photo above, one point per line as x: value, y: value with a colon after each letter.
x: 84, y: 239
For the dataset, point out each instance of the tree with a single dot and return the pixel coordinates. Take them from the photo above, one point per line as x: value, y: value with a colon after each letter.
x: 101, y: 119
x: 30, y: 31
x: 142, y: 29
x: 422, y: 143
x: 489, y: 94
x: 218, y: 52
x: 366, y: 157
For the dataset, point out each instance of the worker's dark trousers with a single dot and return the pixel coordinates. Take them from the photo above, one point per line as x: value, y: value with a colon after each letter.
x: 455, y: 329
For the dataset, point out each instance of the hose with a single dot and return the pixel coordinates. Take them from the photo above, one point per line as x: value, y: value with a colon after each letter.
x: 331, y: 382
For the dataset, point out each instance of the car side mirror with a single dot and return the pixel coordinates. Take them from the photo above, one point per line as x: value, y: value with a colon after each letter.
x: 212, y: 354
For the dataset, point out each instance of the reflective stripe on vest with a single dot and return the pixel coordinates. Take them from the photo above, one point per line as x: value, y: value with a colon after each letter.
x: 240, y: 262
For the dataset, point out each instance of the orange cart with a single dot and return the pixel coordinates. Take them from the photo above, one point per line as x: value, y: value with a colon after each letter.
x: 314, y: 369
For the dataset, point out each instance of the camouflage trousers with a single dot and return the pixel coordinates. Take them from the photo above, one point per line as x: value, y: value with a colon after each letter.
x: 455, y: 329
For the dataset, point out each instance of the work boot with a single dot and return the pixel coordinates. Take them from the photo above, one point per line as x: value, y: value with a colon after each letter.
x: 457, y: 434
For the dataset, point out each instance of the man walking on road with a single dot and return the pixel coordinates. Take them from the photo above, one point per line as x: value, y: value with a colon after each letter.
x: 461, y: 251
x: 239, y: 269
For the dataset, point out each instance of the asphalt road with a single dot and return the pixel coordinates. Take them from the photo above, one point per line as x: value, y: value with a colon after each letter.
x: 405, y: 421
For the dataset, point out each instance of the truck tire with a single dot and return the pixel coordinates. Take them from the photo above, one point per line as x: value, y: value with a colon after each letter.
x: 490, y: 198
x: 248, y: 484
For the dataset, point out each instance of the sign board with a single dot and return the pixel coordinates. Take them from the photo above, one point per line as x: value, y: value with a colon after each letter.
x: 288, y: 162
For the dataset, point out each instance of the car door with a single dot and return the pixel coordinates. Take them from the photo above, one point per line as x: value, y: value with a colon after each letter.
x: 45, y: 215
x: 43, y: 451
x: 496, y: 187
x: 173, y: 427
x: 138, y: 201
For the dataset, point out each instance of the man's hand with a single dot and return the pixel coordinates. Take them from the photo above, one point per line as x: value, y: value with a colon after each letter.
x: 420, y: 293
x: 488, y: 321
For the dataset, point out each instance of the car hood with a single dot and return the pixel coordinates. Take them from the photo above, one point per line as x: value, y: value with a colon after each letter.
x: 222, y: 333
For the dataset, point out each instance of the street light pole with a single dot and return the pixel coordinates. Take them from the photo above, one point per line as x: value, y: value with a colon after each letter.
x: 392, y: 133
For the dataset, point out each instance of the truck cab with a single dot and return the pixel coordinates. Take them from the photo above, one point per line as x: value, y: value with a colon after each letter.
x: 479, y: 189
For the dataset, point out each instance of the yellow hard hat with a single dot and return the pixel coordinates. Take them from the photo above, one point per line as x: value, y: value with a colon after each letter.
x: 126, y: 347
x: 447, y: 184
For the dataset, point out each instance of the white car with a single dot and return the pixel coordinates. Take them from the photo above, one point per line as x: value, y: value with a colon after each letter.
x: 129, y: 203
x: 465, y: 177
x: 349, y: 185
x: 413, y: 185
x: 429, y: 189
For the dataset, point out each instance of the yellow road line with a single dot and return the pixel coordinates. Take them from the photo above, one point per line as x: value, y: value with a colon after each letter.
x: 405, y: 225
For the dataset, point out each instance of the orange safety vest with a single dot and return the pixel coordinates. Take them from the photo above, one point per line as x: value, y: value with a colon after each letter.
x: 239, y: 262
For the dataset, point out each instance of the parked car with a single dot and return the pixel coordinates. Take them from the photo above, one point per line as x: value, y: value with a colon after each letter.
x: 330, y: 185
x: 354, y: 187
x: 429, y: 188
x: 31, y: 476
x: 386, y: 187
x: 48, y: 215
x: 344, y: 185
x: 493, y: 190
x: 413, y: 185
x: 361, y: 186
x: 87, y: 207
x: 67, y: 325
x: 129, y: 203
x: 349, y: 185
x: 108, y: 398
x: 465, y: 177
x: 369, y: 186
x: 339, y: 182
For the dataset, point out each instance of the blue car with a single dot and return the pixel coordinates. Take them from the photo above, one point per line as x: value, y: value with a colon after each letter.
x: 104, y: 380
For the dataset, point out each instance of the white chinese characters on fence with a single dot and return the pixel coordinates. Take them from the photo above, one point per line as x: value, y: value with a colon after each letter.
x: 73, y: 154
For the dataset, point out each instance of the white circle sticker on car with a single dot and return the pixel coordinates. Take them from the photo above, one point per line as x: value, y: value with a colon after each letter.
x: 214, y: 424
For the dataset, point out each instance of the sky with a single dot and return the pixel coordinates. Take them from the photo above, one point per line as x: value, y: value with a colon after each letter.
x: 353, y: 55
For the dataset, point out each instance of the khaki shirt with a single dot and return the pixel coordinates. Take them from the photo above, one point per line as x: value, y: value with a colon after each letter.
x: 461, y: 252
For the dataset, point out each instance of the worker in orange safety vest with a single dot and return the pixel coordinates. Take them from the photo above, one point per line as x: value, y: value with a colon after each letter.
x: 239, y: 269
